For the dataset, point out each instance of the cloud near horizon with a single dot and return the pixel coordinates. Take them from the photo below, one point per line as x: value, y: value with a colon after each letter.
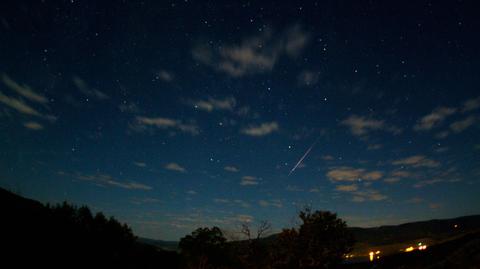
x: 106, y: 180
x: 417, y: 161
x: 349, y: 174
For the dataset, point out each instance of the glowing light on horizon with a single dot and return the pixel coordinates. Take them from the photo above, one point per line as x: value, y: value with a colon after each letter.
x: 374, y: 255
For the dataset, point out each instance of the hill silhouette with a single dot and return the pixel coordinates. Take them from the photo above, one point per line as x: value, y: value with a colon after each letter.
x: 461, y: 252
x: 437, y: 230
x: 64, y: 236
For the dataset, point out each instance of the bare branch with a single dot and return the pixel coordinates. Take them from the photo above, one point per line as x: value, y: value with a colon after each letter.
x: 263, y: 228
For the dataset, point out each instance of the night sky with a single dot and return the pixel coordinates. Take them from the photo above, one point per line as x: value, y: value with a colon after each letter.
x: 171, y: 115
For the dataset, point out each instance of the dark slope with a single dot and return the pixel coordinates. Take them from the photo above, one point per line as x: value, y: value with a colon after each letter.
x: 440, y: 229
x: 64, y: 237
x: 463, y: 252
x: 435, y: 229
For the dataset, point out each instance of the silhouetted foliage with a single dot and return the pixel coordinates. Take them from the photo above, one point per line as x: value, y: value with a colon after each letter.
x: 204, y: 248
x: 253, y: 252
x: 321, y: 241
x: 65, y: 236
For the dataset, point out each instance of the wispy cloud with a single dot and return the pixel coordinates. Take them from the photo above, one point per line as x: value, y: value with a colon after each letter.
x: 417, y: 161
x: 374, y: 146
x: 236, y: 202
x: 175, y: 167
x: 434, y: 119
x: 244, y: 218
x: 294, y: 188
x: 142, y: 201
x: 129, y: 107
x: 83, y: 87
x: 434, y: 206
x: 164, y: 123
x: 24, y: 90
x: 350, y: 174
x: 271, y: 203
x: 140, y: 164
x: 232, y: 169
x: 165, y: 75
x: 397, y: 175
x: 347, y: 188
x: 424, y: 183
x: 438, y: 179
x: 249, y: 180
x: 361, y: 126
x: 415, y: 200
x: 368, y: 195
x: 392, y: 179
x: 33, y: 125
x: 401, y: 173
x: 256, y: 54
x: 19, y: 105
x: 471, y: 104
x: 211, y: 104
x: 108, y: 181
x: 221, y: 200
x: 262, y: 129
x: 308, y: 78
x: 328, y: 158
x: 461, y: 125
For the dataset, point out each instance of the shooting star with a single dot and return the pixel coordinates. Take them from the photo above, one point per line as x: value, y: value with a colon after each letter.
x: 303, y: 157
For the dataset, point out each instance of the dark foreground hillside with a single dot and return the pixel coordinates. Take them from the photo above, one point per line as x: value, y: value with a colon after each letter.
x: 67, y: 237
x: 434, y: 229
x: 64, y: 236
x: 463, y: 252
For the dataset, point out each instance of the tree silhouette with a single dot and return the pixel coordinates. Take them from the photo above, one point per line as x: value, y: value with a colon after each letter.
x: 204, y: 248
x: 321, y: 241
x: 253, y: 251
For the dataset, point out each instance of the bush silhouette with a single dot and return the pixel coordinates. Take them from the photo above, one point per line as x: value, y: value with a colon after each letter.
x: 204, y: 248
x: 321, y: 241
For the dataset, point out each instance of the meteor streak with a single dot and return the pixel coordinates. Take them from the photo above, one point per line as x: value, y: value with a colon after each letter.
x: 303, y: 157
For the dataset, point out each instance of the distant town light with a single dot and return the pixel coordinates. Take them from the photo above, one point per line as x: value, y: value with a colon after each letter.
x: 374, y: 255
x: 409, y: 249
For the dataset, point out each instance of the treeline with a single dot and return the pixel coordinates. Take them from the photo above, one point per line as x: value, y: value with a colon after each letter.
x: 66, y: 236
x: 321, y: 241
